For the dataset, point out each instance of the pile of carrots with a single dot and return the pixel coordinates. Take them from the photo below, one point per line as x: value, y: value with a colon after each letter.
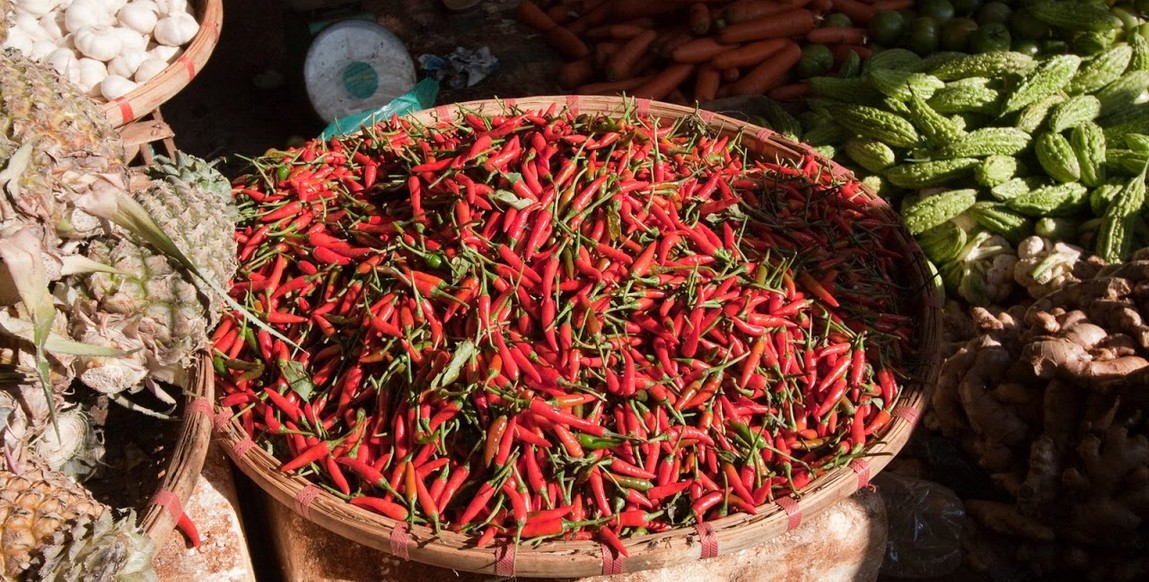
x: 683, y: 51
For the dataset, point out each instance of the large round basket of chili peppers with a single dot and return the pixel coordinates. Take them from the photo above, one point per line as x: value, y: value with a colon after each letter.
x: 567, y: 336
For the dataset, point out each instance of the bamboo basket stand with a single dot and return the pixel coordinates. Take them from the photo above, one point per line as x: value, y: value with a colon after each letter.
x: 570, y: 559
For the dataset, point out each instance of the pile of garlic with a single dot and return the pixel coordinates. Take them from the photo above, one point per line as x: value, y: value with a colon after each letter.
x: 107, y: 47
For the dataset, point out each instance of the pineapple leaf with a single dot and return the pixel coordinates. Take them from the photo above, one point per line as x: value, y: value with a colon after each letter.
x: 56, y: 343
x: 22, y: 255
x: 117, y: 206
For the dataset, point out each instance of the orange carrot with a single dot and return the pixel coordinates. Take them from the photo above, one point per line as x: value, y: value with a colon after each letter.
x: 669, y: 39
x: 789, y: 92
x: 619, y: 30
x: 791, y: 23
x: 769, y: 73
x: 699, y: 50
x: 881, y: 5
x: 627, y: 9
x: 859, y: 12
x: 603, y: 51
x: 664, y: 82
x: 577, y: 72
x: 622, y: 63
x: 699, y: 18
x: 591, y: 17
x: 743, y: 10
x: 612, y: 87
x: 748, y: 54
x: 566, y: 43
x: 533, y: 16
x: 837, y: 35
x: 563, y: 12
x: 706, y: 82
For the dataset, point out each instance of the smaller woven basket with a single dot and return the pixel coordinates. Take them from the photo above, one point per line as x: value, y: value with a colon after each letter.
x: 570, y: 559
x: 181, y: 469
x: 159, y: 89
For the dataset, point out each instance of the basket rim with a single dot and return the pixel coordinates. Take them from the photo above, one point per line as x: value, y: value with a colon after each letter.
x: 182, y: 470
x: 566, y: 559
x: 172, y: 79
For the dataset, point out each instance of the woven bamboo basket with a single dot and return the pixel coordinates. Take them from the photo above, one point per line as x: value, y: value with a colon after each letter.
x: 182, y: 467
x: 570, y: 559
x: 159, y: 89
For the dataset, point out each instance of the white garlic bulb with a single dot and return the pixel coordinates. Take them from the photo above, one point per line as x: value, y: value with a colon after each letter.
x: 91, y: 73
x: 114, y: 86
x: 149, y: 68
x: 175, y: 29
x: 139, y: 15
x: 100, y: 42
x: 126, y: 63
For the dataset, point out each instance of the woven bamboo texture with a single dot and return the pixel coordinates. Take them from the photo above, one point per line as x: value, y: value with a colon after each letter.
x: 159, y: 89
x: 569, y: 559
x: 179, y: 476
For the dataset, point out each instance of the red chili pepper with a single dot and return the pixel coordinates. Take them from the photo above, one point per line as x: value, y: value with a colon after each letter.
x: 311, y: 455
x: 381, y: 506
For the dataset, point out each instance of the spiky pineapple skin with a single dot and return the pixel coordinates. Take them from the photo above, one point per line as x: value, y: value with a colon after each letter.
x: 34, y: 505
x: 173, y: 314
x: 73, y: 145
x: 52, y: 529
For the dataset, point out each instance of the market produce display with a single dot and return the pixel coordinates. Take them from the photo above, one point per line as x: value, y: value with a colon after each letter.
x: 543, y: 324
x: 106, y: 47
x: 99, y: 291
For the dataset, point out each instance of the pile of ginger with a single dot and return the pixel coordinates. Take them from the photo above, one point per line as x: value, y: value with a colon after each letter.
x: 1051, y: 399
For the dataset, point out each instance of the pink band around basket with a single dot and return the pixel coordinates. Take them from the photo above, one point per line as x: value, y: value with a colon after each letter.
x: 793, y: 512
x: 220, y: 420
x: 200, y: 406
x: 642, y: 107
x: 572, y: 102
x: 400, y: 535
x: 304, y: 498
x: 706, y: 115
x: 862, y: 468
x: 243, y: 446
x: 213, y: 26
x: 505, y: 560
x: 189, y: 66
x: 169, y: 501
x: 764, y: 134
x: 443, y: 112
x: 611, y: 561
x: 906, y: 413
x: 125, y: 109
x: 707, y: 540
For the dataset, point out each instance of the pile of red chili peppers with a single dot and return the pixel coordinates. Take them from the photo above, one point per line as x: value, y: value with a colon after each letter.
x: 544, y: 324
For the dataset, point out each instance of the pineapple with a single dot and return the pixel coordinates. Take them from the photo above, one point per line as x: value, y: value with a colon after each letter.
x: 151, y: 299
x: 56, y: 145
x: 51, y: 528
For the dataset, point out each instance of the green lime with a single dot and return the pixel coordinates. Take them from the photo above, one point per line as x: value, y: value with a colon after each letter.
x: 886, y: 27
x: 990, y: 37
x: 837, y: 19
x: 1026, y: 25
x: 995, y: 11
x: 966, y: 7
x: 939, y: 10
x: 924, y: 35
x: 816, y: 60
x: 957, y: 34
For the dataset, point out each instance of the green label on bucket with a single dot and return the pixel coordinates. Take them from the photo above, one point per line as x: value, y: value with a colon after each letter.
x: 360, y: 80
